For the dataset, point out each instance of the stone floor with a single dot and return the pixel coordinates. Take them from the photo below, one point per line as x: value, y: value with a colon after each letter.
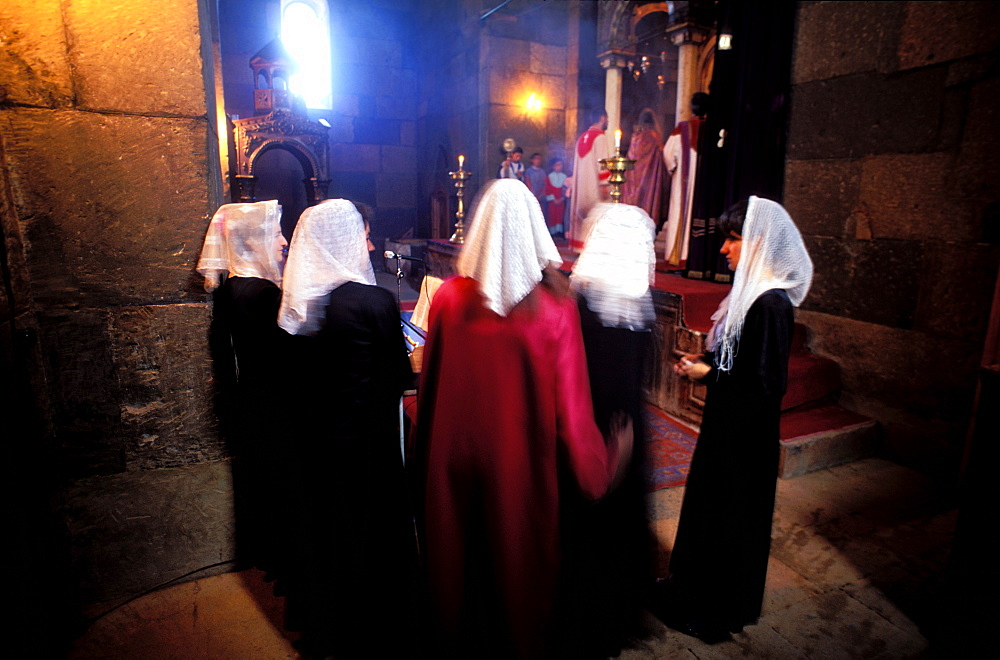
x: 856, y: 571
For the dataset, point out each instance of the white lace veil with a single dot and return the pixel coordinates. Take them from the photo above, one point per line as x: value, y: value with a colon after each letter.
x: 242, y: 241
x: 328, y: 249
x: 617, y: 267
x: 508, y: 245
x: 772, y: 256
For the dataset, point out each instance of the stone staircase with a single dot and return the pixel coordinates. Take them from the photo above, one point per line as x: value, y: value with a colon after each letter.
x: 817, y: 433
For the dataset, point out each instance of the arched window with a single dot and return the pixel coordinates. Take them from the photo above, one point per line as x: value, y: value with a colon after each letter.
x: 305, y: 32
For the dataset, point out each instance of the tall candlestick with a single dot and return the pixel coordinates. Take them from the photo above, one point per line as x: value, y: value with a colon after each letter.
x: 460, y: 177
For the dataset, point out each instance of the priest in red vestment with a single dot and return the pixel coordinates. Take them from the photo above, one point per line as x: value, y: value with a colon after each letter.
x: 644, y: 187
x: 588, y: 178
x: 504, y: 413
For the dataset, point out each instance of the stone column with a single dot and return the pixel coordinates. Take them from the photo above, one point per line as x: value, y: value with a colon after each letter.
x: 688, y: 38
x: 613, y: 64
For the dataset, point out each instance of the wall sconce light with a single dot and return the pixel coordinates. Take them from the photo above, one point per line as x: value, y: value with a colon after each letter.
x: 533, y: 104
x: 725, y: 41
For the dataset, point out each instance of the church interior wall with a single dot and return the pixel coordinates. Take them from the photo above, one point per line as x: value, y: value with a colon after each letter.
x: 110, y: 177
x: 890, y: 176
x: 373, y: 143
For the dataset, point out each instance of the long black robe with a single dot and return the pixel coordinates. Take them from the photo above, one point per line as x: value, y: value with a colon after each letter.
x: 245, y: 327
x: 357, y: 550
x: 607, y: 564
x: 719, y: 560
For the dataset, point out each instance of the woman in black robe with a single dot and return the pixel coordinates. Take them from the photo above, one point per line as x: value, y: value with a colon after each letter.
x: 719, y: 560
x: 245, y: 248
x: 357, y: 552
x: 608, y: 560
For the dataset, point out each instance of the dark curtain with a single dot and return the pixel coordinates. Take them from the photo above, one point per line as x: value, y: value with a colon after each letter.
x: 750, y: 93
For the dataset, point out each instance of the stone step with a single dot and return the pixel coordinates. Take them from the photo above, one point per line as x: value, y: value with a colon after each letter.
x: 822, y: 435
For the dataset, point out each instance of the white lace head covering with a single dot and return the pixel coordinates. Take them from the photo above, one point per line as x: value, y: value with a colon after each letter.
x: 328, y: 249
x: 772, y: 256
x: 242, y: 240
x: 617, y: 267
x: 508, y: 245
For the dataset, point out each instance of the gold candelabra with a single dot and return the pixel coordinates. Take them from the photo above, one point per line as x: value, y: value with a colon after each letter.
x: 617, y: 165
x: 460, y: 178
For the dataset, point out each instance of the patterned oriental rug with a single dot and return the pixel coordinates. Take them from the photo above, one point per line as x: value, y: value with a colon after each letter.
x: 670, y: 446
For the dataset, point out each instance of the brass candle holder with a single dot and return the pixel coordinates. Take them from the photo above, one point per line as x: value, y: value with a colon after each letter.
x: 617, y: 165
x: 459, y: 177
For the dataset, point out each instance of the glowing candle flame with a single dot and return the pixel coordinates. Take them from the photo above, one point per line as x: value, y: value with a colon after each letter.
x: 461, y: 161
x: 618, y: 138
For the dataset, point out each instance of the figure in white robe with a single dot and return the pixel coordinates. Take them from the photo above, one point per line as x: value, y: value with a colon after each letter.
x: 680, y: 154
x: 588, y: 178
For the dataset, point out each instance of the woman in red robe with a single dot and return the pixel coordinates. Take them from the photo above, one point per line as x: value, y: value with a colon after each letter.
x: 504, y: 412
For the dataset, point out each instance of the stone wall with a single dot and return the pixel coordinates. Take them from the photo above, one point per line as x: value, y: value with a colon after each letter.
x: 109, y: 177
x: 889, y: 175
x: 373, y: 152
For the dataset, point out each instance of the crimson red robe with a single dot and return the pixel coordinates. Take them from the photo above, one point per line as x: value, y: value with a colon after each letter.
x: 645, y: 183
x: 504, y: 409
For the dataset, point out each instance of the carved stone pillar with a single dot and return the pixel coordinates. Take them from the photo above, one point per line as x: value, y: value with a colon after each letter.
x: 613, y: 63
x: 688, y: 37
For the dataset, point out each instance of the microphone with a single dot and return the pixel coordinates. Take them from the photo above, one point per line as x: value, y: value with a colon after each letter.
x: 389, y: 254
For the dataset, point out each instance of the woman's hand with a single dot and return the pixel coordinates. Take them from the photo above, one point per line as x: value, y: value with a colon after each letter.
x: 621, y: 438
x: 691, y: 366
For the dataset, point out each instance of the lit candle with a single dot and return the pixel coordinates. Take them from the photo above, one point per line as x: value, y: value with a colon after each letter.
x: 461, y: 160
x: 618, y: 138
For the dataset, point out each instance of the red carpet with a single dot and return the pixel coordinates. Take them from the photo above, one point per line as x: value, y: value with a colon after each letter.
x: 701, y: 298
x: 670, y: 446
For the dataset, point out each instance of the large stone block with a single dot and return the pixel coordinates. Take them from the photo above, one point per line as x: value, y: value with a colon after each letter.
x: 916, y: 374
x: 165, y: 373
x: 137, y: 57
x: 956, y: 289
x: 941, y: 31
x: 857, y: 115
x: 831, y: 286
x: 367, y: 53
x: 883, y: 277
x: 396, y: 107
x: 398, y: 190
x: 346, y: 104
x: 975, y: 171
x: 124, y: 544
x: 397, y: 160
x: 354, y: 157
x: 34, y: 68
x: 83, y: 391
x: 513, y: 88
x: 358, y: 186
x: 871, y: 281
x: 908, y: 196
x: 504, y: 53
x: 376, y: 131
x: 549, y: 60
x: 114, y: 207
x: 840, y: 38
x: 821, y: 195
